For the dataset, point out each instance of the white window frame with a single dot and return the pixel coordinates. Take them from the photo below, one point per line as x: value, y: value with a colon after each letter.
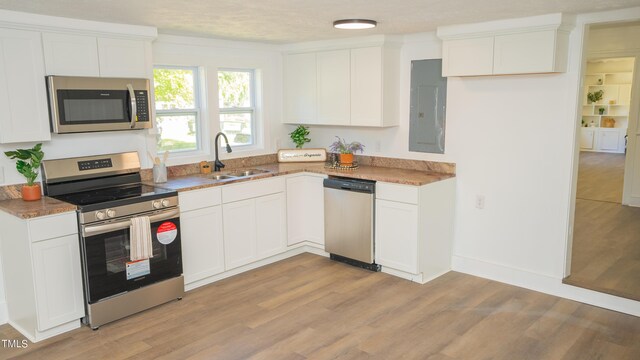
x: 241, y: 110
x: 200, y: 129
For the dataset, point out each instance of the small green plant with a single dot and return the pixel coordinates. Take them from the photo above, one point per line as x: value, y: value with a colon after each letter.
x: 299, y: 136
x: 601, y: 110
x: 28, y: 161
x: 595, y: 96
x: 342, y: 147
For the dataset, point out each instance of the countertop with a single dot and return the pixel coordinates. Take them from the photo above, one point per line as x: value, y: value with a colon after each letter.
x: 392, y: 175
x: 31, y: 209
x: 50, y: 206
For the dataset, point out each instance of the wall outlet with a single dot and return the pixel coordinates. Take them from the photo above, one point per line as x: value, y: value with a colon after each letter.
x: 480, y: 202
x: 278, y: 143
x: 376, y: 146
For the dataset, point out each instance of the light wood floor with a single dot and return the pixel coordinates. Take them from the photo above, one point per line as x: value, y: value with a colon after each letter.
x: 606, y: 238
x: 600, y: 176
x: 309, y: 307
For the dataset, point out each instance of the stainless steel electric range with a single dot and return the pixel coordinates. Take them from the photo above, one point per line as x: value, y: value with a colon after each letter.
x: 108, y: 192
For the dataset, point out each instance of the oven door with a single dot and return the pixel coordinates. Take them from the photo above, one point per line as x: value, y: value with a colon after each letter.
x: 108, y: 269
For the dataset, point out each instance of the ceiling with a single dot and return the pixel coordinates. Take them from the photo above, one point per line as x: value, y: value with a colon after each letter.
x: 286, y: 21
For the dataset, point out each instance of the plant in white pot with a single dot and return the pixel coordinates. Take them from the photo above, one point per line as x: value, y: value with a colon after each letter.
x: 28, y: 164
x: 346, y: 150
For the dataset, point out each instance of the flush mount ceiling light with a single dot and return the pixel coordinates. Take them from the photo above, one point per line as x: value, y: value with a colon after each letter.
x: 354, y: 24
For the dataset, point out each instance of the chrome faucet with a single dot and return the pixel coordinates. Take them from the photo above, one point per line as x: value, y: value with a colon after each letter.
x: 217, y: 165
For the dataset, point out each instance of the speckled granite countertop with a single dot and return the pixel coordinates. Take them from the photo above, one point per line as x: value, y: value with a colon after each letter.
x: 50, y: 206
x: 392, y: 175
x: 31, y: 209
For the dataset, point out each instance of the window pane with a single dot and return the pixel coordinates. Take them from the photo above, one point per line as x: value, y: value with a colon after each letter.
x: 176, y: 132
x: 237, y: 127
x: 174, y: 88
x: 235, y: 89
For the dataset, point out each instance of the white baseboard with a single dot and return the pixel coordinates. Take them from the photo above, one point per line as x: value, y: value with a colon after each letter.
x: 543, y: 283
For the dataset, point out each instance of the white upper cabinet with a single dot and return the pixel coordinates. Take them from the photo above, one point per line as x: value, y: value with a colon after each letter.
x: 70, y: 55
x: 358, y: 86
x: 23, y: 99
x: 300, y: 88
x: 466, y: 57
x: 537, y: 44
x: 124, y: 58
x: 333, y: 69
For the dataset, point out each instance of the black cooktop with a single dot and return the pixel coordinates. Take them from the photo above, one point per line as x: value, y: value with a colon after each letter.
x: 96, y: 199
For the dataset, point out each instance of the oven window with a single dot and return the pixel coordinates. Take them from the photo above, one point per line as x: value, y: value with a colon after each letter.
x: 93, y: 106
x: 93, y: 109
x: 117, y: 250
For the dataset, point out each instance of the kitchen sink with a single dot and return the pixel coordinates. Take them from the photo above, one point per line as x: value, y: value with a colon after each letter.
x: 223, y: 177
x: 248, y: 172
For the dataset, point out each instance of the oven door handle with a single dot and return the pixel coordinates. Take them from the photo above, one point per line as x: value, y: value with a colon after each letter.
x: 90, y: 230
x: 134, y: 106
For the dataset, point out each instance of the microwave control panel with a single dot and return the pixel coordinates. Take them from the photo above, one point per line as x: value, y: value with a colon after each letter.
x: 142, y: 105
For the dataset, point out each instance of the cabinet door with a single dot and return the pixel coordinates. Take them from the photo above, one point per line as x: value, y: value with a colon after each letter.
x: 366, y: 86
x: 467, y: 57
x: 271, y: 225
x: 58, y: 279
x: 305, y: 210
x: 202, y: 245
x: 239, y: 233
x: 397, y: 235
x: 300, y: 93
x: 70, y: 55
x: 608, y: 139
x: 334, y: 87
x: 24, y: 115
x: 123, y: 58
x: 532, y: 52
x: 587, y: 137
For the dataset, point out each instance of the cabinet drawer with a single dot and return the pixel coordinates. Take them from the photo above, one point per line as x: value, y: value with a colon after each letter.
x: 198, y: 199
x: 396, y: 192
x: 252, y: 189
x: 53, y: 226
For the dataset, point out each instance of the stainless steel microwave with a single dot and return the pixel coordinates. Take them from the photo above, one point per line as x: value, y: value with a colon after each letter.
x: 87, y: 104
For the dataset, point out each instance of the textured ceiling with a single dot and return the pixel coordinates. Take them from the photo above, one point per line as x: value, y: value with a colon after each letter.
x: 284, y: 21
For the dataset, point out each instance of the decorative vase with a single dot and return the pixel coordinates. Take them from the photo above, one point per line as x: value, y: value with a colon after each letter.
x: 346, y: 159
x: 31, y: 193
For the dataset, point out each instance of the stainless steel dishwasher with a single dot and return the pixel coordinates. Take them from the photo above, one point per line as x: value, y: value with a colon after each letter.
x: 348, y: 221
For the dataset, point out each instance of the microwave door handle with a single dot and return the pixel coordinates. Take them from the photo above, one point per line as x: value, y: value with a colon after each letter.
x: 134, y: 107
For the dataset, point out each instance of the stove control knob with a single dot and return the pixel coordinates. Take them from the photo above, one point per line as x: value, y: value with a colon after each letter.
x: 100, y: 215
x: 165, y: 202
x: 111, y: 213
x: 156, y: 204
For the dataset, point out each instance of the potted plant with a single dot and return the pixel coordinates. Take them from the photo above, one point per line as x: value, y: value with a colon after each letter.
x: 595, y: 96
x: 346, y: 150
x: 27, y: 165
x: 601, y: 110
x: 299, y: 136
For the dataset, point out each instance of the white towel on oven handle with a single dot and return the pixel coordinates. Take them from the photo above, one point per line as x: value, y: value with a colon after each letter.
x: 140, y: 246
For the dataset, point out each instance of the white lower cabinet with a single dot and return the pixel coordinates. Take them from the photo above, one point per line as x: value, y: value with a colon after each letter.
x: 397, y: 235
x: 271, y: 225
x: 414, y: 229
x: 201, y: 234
x: 255, y: 223
x: 240, y: 233
x: 600, y: 139
x: 42, y: 274
x: 305, y: 209
x: 202, y: 246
